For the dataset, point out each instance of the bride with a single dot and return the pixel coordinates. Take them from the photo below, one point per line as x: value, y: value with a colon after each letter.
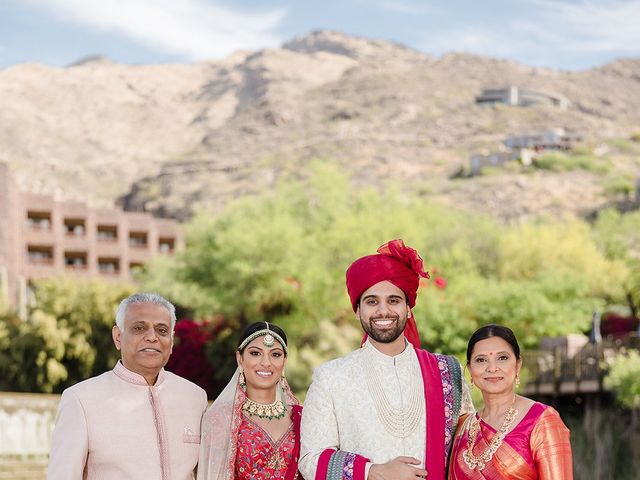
x: 251, y: 431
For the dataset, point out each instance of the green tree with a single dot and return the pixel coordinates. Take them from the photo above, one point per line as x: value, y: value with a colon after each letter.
x: 531, y: 250
x: 618, y: 236
x: 65, y: 339
x: 281, y: 256
x: 31, y: 353
x: 87, y: 311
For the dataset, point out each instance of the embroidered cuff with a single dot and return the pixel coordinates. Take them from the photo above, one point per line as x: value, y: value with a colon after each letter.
x: 340, y: 465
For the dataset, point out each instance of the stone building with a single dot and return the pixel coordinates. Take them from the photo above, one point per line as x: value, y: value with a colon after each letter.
x: 41, y: 237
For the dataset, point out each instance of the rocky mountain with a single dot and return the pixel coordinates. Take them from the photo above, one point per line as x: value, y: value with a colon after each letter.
x: 167, y: 138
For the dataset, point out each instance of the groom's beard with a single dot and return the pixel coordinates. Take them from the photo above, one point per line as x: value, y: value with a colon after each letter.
x: 386, y: 333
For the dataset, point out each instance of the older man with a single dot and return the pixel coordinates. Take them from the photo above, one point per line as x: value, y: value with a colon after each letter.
x: 136, y: 421
x: 387, y: 411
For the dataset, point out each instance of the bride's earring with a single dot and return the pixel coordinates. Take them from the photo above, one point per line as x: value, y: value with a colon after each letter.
x: 241, y: 380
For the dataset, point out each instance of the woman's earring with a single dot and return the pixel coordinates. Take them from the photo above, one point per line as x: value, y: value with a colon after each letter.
x: 471, y: 383
x: 517, y: 380
x: 282, y: 377
x: 241, y: 380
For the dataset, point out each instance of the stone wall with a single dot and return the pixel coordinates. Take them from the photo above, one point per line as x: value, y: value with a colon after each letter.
x: 26, y: 423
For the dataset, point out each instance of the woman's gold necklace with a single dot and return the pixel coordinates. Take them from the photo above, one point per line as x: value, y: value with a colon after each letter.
x: 480, y: 461
x: 271, y: 411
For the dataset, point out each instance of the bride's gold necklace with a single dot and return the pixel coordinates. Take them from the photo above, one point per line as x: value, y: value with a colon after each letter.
x: 480, y: 461
x: 271, y: 411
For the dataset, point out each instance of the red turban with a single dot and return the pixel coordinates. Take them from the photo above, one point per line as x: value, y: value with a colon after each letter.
x: 395, y: 263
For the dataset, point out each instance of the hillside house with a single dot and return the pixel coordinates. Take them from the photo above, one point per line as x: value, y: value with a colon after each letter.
x: 495, y: 159
x: 521, y: 97
x: 554, y: 139
x: 525, y: 148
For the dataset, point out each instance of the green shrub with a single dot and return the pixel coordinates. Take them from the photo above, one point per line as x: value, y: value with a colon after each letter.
x: 561, y: 162
x: 620, y: 186
x: 624, y: 378
x: 622, y: 144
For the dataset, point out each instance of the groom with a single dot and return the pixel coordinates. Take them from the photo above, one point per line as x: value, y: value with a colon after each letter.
x: 389, y: 409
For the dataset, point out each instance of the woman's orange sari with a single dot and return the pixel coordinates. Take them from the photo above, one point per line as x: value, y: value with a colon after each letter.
x: 537, y: 448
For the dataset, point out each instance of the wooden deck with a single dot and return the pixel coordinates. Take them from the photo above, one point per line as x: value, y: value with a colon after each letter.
x: 559, y: 371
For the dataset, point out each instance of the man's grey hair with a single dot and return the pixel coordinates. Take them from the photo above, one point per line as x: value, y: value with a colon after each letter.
x: 144, y: 297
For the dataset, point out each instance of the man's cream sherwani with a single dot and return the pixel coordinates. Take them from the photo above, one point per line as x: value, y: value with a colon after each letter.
x: 339, y: 412
x: 116, y: 427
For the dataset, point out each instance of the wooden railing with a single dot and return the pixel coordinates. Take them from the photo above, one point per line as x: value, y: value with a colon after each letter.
x: 560, y: 372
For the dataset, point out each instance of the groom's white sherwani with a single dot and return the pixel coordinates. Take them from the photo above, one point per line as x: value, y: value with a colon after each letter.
x: 339, y: 411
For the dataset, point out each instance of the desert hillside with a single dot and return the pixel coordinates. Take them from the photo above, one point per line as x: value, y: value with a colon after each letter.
x: 167, y: 138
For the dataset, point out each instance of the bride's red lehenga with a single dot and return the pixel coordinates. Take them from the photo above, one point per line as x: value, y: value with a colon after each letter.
x: 235, y: 448
x: 259, y: 456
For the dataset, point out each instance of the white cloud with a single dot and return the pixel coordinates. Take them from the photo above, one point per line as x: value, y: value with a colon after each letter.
x: 588, y: 26
x: 549, y: 29
x: 195, y: 29
x: 474, y: 40
x: 405, y: 7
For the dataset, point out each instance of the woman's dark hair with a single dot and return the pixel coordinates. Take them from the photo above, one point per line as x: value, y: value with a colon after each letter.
x: 257, y: 326
x: 493, y: 330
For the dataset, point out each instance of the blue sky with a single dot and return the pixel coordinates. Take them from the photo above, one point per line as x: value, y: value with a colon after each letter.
x: 564, y: 34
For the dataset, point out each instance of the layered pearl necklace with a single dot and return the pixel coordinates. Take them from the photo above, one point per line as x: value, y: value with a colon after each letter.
x: 480, y: 461
x: 271, y: 411
x: 399, y: 422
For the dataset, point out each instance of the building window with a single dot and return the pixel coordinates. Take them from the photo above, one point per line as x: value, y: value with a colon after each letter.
x: 138, y: 239
x: 136, y: 267
x: 75, y: 260
x: 166, y: 245
x: 109, y: 266
x: 38, y: 220
x: 74, y: 227
x: 40, y: 255
x: 107, y: 233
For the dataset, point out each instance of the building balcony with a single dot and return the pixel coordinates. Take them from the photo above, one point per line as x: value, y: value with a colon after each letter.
x: 39, y: 226
x: 139, y: 255
x: 75, y: 228
x: 46, y: 262
x: 109, y: 266
x: 41, y: 255
x: 38, y: 236
x: 71, y: 243
x: 38, y: 220
x: 107, y: 233
x: 76, y: 261
x: 106, y: 239
x: 166, y: 245
x: 77, y: 267
x: 108, y: 249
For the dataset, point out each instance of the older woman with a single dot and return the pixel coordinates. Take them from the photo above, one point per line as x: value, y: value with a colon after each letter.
x: 251, y: 431
x: 512, y: 436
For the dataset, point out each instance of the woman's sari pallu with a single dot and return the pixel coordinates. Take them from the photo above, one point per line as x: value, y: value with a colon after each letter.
x: 537, y: 448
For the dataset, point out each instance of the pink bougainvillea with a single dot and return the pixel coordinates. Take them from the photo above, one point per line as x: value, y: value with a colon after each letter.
x: 188, y: 358
x: 618, y: 326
